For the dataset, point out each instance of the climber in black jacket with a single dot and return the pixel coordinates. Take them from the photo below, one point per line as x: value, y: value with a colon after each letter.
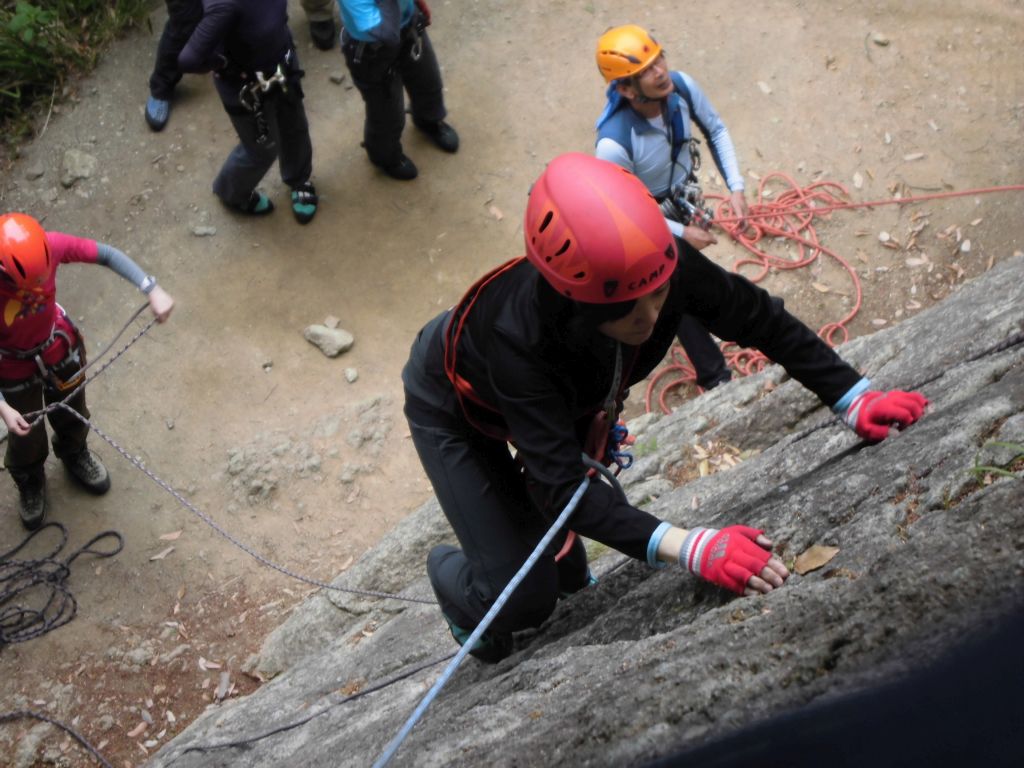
x: 545, y: 347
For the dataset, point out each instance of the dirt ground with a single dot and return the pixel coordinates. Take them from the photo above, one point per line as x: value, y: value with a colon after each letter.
x: 256, y: 428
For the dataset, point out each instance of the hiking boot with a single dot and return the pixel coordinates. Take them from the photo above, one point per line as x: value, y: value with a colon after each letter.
x: 31, y: 497
x: 401, y: 168
x: 442, y: 134
x: 157, y: 112
x: 491, y: 647
x: 323, y: 34
x: 87, y: 469
x: 304, y: 202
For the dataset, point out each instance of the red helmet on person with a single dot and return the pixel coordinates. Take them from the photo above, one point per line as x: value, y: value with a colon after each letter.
x: 595, y: 233
x: 24, y: 252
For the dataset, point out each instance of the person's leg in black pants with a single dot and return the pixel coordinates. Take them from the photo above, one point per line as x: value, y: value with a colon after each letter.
x: 373, y: 72
x: 182, y: 18
x: 704, y: 353
x: 483, y: 495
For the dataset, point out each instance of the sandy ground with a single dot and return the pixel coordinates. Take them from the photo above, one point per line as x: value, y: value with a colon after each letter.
x: 257, y: 429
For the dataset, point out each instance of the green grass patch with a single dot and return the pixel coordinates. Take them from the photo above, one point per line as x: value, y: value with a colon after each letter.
x: 981, y: 471
x: 46, y: 43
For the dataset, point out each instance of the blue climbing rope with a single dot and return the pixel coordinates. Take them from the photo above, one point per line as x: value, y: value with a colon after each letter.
x: 503, y: 598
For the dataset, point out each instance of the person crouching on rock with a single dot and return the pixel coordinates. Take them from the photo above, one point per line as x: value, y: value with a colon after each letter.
x: 249, y: 48
x: 42, y: 355
x: 538, y: 350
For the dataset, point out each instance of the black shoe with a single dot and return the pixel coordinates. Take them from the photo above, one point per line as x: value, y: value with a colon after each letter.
x: 715, y: 379
x: 490, y: 648
x: 402, y: 169
x: 257, y: 205
x: 442, y: 134
x: 323, y: 34
x: 87, y: 469
x: 31, y: 498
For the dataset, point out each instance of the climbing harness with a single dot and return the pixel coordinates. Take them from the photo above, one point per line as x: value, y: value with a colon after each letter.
x: 253, y: 95
x: 418, y: 27
x: 46, y: 372
x: 684, y: 202
x: 36, y: 416
x: 41, y: 585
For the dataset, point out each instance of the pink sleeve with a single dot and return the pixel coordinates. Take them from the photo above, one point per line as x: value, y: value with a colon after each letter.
x: 68, y: 248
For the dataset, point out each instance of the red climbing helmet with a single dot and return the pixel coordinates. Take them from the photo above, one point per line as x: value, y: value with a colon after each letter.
x: 595, y: 232
x: 24, y: 252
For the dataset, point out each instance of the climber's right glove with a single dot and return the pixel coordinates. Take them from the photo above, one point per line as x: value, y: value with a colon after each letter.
x: 727, y: 557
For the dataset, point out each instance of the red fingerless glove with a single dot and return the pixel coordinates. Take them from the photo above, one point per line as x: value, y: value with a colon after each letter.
x: 871, y: 414
x: 727, y: 557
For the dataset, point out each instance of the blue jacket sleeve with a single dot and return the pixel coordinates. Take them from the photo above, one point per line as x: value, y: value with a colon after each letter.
x: 717, y: 135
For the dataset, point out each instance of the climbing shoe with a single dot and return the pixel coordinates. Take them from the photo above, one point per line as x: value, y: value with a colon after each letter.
x: 442, y: 134
x: 157, y: 112
x: 590, y: 581
x: 87, y: 469
x: 258, y: 205
x: 31, y: 497
x: 402, y: 168
x: 491, y: 647
x: 304, y: 202
x: 323, y: 34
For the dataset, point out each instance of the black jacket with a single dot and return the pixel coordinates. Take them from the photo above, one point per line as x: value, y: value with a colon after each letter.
x: 546, y: 378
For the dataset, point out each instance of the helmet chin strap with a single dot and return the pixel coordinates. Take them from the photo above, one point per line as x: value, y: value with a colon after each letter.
x: 639, y: 96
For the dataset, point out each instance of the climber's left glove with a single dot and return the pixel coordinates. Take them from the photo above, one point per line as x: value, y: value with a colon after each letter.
x: 872, y: 413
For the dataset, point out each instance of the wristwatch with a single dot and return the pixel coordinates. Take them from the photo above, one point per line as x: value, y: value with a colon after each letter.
x: 148, y: 284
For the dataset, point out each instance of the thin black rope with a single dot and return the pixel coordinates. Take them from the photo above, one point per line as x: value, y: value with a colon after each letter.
x: 332, y: 702
x: 21, y: 714
x: 230, y: 537
x: 38, y: 416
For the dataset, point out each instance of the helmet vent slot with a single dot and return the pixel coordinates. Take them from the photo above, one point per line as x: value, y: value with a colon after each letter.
x: 547, y: 220
x: 564, y: 248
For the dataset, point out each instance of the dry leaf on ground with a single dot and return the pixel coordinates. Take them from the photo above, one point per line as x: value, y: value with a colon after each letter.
x: 814, y: 558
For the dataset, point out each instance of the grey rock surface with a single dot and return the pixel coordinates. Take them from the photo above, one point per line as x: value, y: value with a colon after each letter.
x: 331, y: 341
x: 650, y: 661
x: 77, y: 165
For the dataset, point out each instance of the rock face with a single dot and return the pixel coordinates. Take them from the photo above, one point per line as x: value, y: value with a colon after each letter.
x: 649, y: 662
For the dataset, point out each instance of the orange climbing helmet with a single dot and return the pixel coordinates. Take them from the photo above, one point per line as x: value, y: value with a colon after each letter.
x: 24, y: 252
x: 595, y: 233
x: 625, y: 52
